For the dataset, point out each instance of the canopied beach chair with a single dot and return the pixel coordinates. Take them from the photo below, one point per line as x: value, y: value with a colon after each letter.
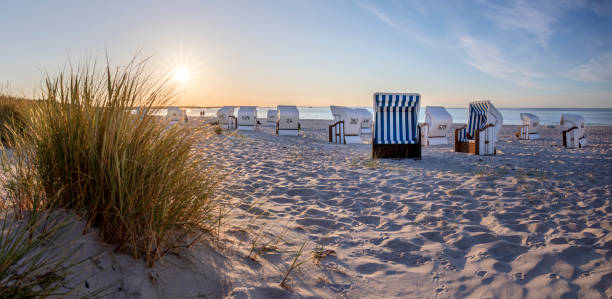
x: 176, y: 115
x: 288, y: 121
x: 226, y: 118
x: 480, y: 134
x: 247, y: 118
x: 573, y: 130
x: 396, y: 129
x: 529, y: 129
x: 347, y: 126
x: 438, y: 123
x: 365, y: 117
x: 271, y: 116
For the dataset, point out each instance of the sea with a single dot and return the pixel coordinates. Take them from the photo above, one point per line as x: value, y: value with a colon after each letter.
x: 548, y: 116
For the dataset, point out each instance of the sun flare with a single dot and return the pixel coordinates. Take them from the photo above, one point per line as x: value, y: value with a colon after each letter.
x: 181, y: 74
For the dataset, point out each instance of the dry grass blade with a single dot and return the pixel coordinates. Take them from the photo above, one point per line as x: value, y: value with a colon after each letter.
x: 295, y: 264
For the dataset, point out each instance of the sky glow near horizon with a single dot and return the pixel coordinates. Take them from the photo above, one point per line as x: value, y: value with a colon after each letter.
x: 317, y: 53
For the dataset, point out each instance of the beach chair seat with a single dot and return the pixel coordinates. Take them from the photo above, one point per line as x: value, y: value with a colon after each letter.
x: 529, y: 129
x: 396, y: 129
x: 288, y: 121
x: 478, y: 137
x: 247, y: 118
x: 226, y: 118
x: 351, y: 123
x: 438, y: 123
x: 573, y: 131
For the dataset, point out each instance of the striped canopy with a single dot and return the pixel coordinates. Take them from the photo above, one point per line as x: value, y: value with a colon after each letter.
x: 396, y: 99
x: 477, y: 119
x: 396, y: 118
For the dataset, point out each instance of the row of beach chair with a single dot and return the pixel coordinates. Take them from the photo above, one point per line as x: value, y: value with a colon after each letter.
x: 286, y: 118
x: 394, y: 128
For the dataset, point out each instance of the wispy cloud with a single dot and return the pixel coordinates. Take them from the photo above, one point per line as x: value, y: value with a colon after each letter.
x: 489, y: 59
x: 405, y: 25
x: 379, y: 13
x: 597, y: 69
x: 535, y: 17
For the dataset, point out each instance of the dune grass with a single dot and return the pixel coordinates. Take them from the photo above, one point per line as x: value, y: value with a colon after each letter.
x: 131, y: 176
x: 13, y: 113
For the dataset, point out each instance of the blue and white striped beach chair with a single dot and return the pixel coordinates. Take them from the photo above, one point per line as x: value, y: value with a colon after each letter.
x: 397, y: 133
x: 479, y: 135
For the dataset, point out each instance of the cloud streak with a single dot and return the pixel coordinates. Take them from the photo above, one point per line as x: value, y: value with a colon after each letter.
x: 405, y: 26
x: 597, y: 69
x: 535, y: 17
x: 489, y: 59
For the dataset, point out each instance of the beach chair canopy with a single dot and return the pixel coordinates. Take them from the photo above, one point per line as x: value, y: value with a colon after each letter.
x: 288, y: 117
x: 573, y: 120
x: 337, y: 112
x: 530, y: 119
x: 481, y: 114
x: 224, y: 113
x: 439, y: 121
x: 247, y: 116
x: 351, y: 118
x: 365, y: 117
x: 271, y: 116
x: 396, y: 118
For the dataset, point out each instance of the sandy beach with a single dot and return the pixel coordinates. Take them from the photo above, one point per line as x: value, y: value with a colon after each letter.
x: 534, y: 221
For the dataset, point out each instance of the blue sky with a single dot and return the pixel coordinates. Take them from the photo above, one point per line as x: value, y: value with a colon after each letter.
x: 515, y: 53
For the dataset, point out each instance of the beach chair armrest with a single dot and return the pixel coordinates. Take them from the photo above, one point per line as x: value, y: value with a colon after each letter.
x: 484, y: 128
x: 570, y: 129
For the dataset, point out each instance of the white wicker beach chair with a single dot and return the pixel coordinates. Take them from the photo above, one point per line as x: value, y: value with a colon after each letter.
x: 226, y: 118
x: 347, y: 123
x: 438, y: 123
x: 479, y: 135
x: 529, y: 129
x: 247, y: 118
x: 573, y: 130
x: 288, y: 121
x: 396, y: 128
x: 176, y: 115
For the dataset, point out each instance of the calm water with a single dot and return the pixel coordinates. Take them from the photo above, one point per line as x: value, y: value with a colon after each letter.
x: 548, y: 116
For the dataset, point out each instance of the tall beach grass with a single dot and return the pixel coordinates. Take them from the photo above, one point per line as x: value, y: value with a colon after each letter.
x: 131, y: 176
x: 13, y: 113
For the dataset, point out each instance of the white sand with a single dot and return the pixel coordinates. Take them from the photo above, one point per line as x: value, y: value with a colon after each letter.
x: 534, y: 221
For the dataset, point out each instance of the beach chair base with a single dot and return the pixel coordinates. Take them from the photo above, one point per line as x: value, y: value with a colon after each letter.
x: 288, y: 133
x: 436, y: 141
x: 474, y: 146
x: 352, y: 139
x: 523, y: 134
x: 571, y: 139
x: 246, y: 128
x: 397, y: 151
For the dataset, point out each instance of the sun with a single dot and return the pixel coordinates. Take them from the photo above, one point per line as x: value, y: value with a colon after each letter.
x: 181, y: 74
